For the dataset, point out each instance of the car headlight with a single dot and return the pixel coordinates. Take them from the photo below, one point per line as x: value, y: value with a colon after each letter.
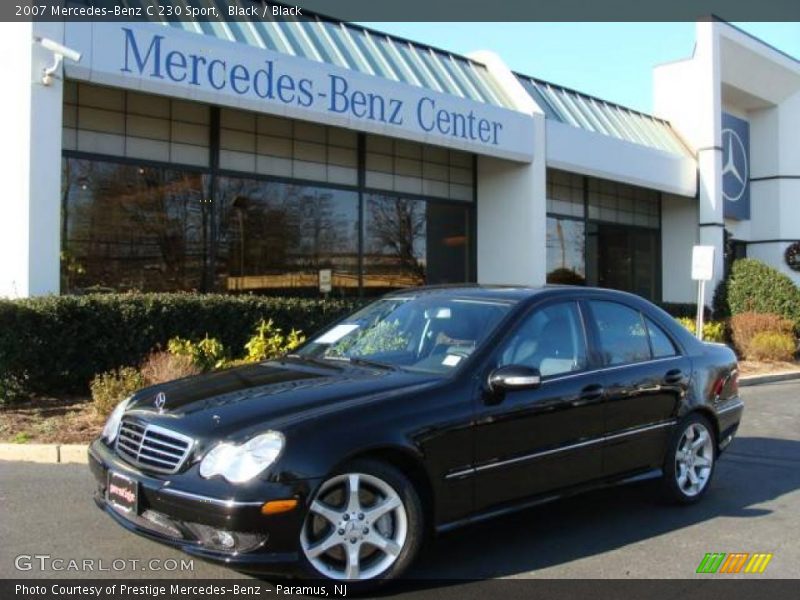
x: 111, y: 427
x: 241, y: 462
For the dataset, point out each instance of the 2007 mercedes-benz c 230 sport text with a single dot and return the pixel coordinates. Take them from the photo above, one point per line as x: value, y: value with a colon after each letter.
x: 428, y: 409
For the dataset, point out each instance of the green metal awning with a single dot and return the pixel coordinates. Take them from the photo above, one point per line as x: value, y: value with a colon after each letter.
x: 593, y: 114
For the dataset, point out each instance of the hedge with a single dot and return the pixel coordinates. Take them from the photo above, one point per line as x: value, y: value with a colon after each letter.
x: 686, y: 310
x: 756, y: 287
x: 54, y: 345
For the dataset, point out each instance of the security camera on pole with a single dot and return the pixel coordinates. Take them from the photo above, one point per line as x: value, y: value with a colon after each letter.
x: 702, y: 271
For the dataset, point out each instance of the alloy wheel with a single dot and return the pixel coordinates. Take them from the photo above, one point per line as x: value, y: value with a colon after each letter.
x: 356, y: 527
x: 694, y: 459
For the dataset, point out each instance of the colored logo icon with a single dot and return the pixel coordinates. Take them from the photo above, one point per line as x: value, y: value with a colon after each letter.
x: 734, y: 562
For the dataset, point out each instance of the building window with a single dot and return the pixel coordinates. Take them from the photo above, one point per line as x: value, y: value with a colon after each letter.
x: 623, y: 258
x: 566, y: 251
x: 275, y: 237
x: 411, y: 168
x: 129, y: 124
x: 157, y: 228
x: 411, y: 242
x: 127, y: 227
x: 602, y: 233
x: 565, y: 193
x: 615, y: 202
x: 161, y: 194
x: 267, y: 145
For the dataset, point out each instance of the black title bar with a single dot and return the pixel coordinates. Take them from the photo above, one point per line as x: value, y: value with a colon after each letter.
x: 407, y: 10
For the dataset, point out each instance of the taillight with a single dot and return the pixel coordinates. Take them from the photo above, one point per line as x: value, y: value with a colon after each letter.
x: 731, y: 379
x: 718, y: 387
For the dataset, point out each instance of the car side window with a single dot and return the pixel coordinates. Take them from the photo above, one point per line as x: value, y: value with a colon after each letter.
x: 659, y: 341
x: 623, y: 338
x: 550, y: 339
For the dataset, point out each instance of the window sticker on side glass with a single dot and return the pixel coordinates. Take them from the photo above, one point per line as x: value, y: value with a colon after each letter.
x: 451, y: 360
x: 337, y: 333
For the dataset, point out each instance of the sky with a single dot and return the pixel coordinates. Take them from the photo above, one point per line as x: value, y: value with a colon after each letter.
x: 613, y: 61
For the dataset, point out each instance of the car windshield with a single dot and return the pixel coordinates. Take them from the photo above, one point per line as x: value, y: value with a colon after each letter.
x: 424, y: 333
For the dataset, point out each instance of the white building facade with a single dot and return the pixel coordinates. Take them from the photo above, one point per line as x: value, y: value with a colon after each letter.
x: 269, y: 157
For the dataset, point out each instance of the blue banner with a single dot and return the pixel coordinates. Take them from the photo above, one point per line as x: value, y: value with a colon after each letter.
x: 735, y: 167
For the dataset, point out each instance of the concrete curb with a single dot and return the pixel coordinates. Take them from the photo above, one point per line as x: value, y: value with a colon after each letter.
x: 45, y: 453
x: 769, y: 378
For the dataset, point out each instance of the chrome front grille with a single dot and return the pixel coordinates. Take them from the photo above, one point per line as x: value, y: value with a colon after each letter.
x: 152, y: 447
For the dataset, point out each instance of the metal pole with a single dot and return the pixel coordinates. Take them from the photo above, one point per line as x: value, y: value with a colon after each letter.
x: 701, y: 301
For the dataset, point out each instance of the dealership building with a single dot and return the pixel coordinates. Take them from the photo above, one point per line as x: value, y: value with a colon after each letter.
x: 278, y: 157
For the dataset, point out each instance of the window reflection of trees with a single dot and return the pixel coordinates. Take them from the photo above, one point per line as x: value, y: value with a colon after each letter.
x: 566, y: 243
x: 149, y: 228
x: 395, y: 242
x: 275, y: 235
x: 131, y: 227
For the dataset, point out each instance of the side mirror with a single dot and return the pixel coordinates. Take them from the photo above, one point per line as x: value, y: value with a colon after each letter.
x: 514, y: 377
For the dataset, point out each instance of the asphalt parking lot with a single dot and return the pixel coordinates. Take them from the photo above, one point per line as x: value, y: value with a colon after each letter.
x: 626, y: 532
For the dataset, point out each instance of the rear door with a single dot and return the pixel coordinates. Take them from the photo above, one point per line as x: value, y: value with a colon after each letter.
x: 644, y: 376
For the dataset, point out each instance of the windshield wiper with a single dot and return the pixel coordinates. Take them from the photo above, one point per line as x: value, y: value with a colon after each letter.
x: 364, y: 362
x: 321, y: 362
x: 372, y: 363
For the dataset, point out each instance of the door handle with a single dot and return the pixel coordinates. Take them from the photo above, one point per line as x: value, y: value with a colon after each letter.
x: 594, y: 391
x: 673, y: 376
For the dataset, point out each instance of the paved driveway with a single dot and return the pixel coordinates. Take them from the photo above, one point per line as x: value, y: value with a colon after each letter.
x: 753, y: 506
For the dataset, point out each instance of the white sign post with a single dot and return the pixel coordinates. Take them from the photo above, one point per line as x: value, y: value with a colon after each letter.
x: 325, y: 281
x: 702, y: 271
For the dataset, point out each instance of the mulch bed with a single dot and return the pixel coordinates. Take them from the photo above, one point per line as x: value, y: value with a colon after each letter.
x: 752, y: 367
x: 50, y: 421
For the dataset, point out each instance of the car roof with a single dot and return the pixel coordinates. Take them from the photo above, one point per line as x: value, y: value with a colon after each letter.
x: 507, y: 293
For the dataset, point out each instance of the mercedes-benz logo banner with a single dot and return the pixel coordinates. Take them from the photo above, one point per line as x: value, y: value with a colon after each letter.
x: 735, y: 167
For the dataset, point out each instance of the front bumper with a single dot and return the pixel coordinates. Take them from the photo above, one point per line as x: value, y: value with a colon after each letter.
x: 172, y: 509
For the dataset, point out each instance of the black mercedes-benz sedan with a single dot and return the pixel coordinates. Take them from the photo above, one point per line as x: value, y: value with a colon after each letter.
x: 429, y: 409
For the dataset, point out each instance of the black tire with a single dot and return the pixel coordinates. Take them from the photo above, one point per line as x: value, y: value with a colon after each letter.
x: 414, y: 519
x: 682, y: 490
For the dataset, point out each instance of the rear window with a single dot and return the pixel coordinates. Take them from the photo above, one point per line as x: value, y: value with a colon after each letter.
x: 623, y: 337
x: 660, y: 342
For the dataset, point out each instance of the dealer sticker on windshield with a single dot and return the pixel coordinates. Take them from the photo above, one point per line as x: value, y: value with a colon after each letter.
x: 337, y: 333
x: 451, y: 360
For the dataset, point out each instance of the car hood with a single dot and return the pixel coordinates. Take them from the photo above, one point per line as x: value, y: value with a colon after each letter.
x: 233, y: 403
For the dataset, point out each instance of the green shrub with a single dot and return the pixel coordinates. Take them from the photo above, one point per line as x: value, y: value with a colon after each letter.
x: 747, y: 325
x: 684, y: 309
x: 112, y: 387
x: 13, y: 388
x: 21, y: 437
x: 771, y: 345
x: 564, y: 276
x: 207, y: 354
x: 720, y: 310
x: 756, y: 287
x: 269, y: 342
x: 55, y: 345
x: 713, y: 331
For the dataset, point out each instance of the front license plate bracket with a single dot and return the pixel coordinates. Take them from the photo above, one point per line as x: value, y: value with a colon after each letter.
x: 122, y: 492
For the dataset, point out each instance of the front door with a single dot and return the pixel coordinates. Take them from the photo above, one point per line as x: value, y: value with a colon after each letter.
x: 532, y: 441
